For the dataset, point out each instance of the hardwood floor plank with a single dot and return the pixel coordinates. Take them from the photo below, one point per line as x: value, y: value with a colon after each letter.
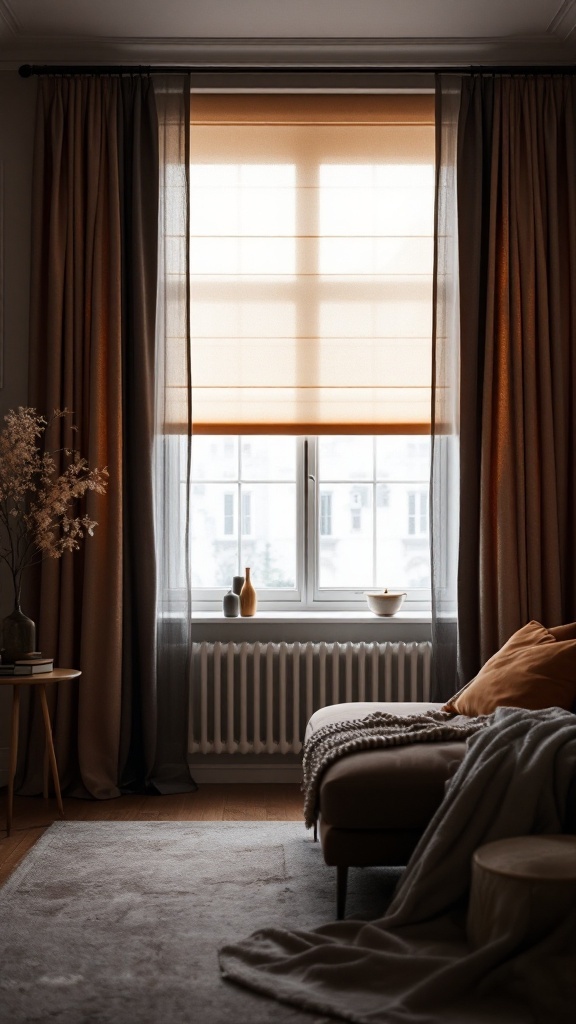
x: 22, y: 843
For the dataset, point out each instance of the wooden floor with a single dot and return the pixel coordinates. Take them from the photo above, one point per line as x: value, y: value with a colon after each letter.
x: 240, y: 802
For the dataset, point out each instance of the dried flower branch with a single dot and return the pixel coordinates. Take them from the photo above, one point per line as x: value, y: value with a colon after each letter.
x: 38, y: 505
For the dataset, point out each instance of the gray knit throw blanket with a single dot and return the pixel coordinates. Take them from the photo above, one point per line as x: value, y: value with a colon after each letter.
x: 376, y: 730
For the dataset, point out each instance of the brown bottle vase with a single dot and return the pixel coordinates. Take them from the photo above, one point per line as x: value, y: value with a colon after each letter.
x: 248, y: 597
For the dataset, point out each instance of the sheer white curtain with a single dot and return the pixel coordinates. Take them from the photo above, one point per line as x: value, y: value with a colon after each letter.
x: 445, y: 482
x: 173, y: 452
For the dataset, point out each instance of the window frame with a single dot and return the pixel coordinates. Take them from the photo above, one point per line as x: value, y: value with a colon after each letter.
x: 210, y: 598
x: 418, y: 600
x: 307, y: 596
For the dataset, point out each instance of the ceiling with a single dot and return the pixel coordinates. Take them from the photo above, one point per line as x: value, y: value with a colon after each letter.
x: 397, y: 32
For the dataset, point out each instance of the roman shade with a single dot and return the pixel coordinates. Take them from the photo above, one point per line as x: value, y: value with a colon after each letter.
x: 311, y: 257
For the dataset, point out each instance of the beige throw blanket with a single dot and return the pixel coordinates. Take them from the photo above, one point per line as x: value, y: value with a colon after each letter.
x: 415, y: 966
x: 379, y: 729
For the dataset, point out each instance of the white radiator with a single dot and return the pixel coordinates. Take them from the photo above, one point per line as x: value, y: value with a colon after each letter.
x: 257, y: 698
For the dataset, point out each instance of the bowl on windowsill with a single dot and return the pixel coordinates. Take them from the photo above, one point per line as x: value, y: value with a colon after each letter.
x: 385, y: 602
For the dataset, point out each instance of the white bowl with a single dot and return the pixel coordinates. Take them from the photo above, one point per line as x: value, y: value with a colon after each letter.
x: 385, y: 602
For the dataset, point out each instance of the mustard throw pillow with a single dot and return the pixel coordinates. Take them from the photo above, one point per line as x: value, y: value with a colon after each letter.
x: 532, y: 670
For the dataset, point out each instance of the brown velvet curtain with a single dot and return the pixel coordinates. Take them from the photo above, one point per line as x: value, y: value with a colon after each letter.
x: 93, y: 299
x: 517, y: 260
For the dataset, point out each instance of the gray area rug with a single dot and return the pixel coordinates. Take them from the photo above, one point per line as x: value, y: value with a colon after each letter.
x: 121, y: 922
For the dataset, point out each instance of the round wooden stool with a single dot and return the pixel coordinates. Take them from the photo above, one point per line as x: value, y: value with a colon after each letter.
x: 522, y: 888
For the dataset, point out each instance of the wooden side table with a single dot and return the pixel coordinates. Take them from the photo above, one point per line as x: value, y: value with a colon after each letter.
x: 522, y: 888
x: 39, y: 680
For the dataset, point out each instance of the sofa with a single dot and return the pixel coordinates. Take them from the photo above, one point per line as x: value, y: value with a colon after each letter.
x: 375, y: 804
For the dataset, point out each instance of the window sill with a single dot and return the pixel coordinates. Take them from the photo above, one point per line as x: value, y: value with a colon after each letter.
x: 317, y: 626
x: 314, y: 617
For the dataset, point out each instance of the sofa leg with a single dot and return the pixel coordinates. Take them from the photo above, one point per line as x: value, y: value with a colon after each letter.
x: 341, y: 887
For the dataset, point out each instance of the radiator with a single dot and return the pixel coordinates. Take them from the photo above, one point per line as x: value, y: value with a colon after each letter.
x: 257, y: 698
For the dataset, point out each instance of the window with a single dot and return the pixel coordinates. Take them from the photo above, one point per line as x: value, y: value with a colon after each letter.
x: 364, y: 522
x: 228, y: 513
x: 246, y: 513
x: 260, y: 479
x: 417, y: 513
x: 325, y: 513
x: 311, y: 289
x: 371, y: 482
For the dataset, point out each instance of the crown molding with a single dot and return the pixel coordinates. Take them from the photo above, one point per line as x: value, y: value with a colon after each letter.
x: 549, y: 47
x: 564, y: 22
x: 9, y: 19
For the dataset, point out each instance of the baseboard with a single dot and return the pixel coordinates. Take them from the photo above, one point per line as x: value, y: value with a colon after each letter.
x: 4, y: 755
x: 207, y: 773
x: 228, y: 773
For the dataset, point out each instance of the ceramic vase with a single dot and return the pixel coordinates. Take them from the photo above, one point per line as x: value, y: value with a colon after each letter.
x: 237, y: 584
x: 231, y: 605
x: 18, y: 635
x: 248, y: 597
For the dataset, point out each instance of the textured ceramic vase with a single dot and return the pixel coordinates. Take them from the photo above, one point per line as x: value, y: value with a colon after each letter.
x: 231, y: 605
x: 248, y: 597
x: 18, y: 635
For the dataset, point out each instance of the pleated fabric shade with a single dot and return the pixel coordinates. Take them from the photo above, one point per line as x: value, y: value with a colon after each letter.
x: 311, y: 255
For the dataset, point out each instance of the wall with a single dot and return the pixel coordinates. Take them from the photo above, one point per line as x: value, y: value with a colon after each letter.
x: 17, y: 104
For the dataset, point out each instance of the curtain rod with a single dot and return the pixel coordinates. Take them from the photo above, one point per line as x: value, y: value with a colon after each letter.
x: 28, y: 70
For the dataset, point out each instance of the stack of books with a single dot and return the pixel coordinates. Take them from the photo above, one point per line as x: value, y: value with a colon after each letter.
x: 28, y: 666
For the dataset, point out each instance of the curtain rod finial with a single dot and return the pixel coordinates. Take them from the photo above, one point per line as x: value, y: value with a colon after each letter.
x: 25, y: 71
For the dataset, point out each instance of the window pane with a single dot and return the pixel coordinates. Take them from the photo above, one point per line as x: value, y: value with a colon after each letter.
x: 268, y: 458
x: 242, y: 219
x: 270, y: 547
x: 402, y: 458
x: 243, y: 500
x: 343, y: 457
x: 229, y: 502
x: 359, y: 548
x: 214, y: 540
x: 245, y: 256
x: 246, y: 513
x: 219, y: 315
x: 213, y: 458
x: 346, y: 551
x: 364, y: 207
x: 402, y: 546
x: 326, y: 514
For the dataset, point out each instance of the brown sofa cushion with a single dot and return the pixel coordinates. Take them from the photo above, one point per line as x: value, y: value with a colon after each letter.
x: 393, y: 788
x: 532, y: 670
